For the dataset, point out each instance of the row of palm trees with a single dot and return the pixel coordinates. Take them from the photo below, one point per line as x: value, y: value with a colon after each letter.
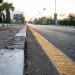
x: 5, y: 6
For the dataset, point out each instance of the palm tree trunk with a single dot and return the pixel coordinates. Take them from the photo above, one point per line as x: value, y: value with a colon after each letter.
x: 4, y: 19
x: 1, y: 1
x: 7, y: 16
x: 0, y: 16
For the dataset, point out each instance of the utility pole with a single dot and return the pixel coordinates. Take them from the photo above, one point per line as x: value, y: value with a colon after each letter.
x: 55, y: 6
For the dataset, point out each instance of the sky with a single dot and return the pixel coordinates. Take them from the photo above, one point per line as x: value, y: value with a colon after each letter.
x: 31, y: 8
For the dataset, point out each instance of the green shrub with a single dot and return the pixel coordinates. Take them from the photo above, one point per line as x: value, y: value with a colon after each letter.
x: 67, y: 22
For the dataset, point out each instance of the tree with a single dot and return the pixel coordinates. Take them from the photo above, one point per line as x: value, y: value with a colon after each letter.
x: 22, y: 19
x: 1, y: 1
x: 7, y: 7
x: 0, y: 11
x: 71, y: 16
x: 2, y: 16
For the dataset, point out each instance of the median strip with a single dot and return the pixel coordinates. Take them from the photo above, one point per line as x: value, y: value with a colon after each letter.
x: 12, y: 57
x: 63, y: 64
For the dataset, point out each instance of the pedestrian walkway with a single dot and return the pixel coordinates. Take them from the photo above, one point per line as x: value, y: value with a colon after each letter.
x: 12, y: 59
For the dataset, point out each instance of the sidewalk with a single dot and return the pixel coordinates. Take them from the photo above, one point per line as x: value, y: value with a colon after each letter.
x: 12, y: 53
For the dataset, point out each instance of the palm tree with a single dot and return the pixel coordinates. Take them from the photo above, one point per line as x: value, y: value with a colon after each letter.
x: 2, y: 16
x: 7, y: 7
x: 0, y: 11
x: 71, y: 16
x: 1, y: 1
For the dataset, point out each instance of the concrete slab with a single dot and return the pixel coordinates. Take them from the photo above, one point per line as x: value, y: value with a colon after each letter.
x: 16, y: 43
x: 22, y: 32
x: 0, y: 24
x: 11, y: 61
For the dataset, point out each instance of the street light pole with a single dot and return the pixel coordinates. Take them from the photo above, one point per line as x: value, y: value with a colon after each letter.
x: 55, y: 14
x: 55, y: 6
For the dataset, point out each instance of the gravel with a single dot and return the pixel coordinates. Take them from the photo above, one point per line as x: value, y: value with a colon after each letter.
x: 7, y: 33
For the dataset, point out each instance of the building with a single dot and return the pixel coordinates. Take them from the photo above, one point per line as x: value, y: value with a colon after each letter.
x: 17, y: 16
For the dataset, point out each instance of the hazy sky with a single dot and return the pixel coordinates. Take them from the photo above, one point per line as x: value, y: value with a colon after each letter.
x: 32, y: 8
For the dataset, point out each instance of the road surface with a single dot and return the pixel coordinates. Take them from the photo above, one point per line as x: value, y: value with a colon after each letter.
x: 61, y: 37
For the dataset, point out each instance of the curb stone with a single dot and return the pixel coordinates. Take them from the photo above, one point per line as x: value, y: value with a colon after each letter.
x: 12, y: 58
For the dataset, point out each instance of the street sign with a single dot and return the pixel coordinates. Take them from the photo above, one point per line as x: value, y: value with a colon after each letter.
x: 18, y: 16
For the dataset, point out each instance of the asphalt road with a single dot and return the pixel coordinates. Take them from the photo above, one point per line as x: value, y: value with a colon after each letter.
x: 61, y: 37
x: 38, y: 63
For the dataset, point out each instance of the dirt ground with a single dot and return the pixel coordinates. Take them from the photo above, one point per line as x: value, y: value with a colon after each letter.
x: 7, y: 33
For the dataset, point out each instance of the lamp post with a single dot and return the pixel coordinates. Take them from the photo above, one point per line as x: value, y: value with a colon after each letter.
x: 55, y: 15
x: 55, y: 6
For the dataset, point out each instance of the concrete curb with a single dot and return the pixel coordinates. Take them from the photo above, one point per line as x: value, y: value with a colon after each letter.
x: 12, y: 58
x: 8, y: 24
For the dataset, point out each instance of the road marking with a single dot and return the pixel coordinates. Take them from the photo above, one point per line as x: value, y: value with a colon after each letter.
x: 63, y: 64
